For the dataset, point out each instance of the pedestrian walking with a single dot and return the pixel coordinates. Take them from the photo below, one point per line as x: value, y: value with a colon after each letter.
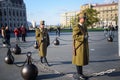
x: 80, y: 46
x: 16, y: 32
x: 58, y: 31
x: 3, y: 35
x: 106, y: 31
x: 42, y: 38
x: 111, y: 31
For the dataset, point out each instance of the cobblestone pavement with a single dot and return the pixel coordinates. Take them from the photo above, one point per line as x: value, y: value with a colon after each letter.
x: 104, y: 59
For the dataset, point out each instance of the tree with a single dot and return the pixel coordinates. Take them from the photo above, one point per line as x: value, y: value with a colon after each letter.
x: 91, y: 17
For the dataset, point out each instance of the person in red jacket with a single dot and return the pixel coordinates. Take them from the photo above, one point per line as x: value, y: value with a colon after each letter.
x: 16, y: 32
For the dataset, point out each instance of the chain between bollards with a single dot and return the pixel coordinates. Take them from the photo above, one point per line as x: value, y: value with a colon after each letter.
x: 28, y: 60
x: 22, y: 64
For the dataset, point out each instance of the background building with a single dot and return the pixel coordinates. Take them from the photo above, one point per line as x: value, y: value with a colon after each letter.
x: 12, y: 13
x: 108, y: 13
x: 65, y: 19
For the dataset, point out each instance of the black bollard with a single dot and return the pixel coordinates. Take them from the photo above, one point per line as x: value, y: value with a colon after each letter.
x: 56, y: 42
x: 110, y: 39
x: 29, y: 71
x: 9, y: 59
x: 36, y: 45
x: 16, y: 49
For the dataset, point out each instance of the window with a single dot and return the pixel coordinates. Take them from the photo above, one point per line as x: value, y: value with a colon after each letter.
x: 14, y: 25
x: 10, y: 24
x: 9, y: 12
x: 0, y: 12
x: 5, y: 19
x: 5, y: 24
x: 17, y: 13
x: 24, y: 14
x: 20, y: 13
x: 5, y: 12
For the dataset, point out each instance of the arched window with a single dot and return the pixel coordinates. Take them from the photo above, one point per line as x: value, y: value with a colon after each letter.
x: 18, y: 24
x: 0, y: 12
x: 20, y: 13
x: 5, y: 12
x: 10, y: 12
x: 5, y: 24
x: 24, y: 14
x: 17, y: 13
x: 13, y: 13
x: 10, y: 24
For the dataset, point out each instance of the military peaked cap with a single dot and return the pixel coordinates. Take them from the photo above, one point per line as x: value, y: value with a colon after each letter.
x: 42, y: 22
x: 82, y: 15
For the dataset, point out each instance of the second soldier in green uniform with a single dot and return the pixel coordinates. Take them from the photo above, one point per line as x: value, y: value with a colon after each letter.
x: 43, y: 40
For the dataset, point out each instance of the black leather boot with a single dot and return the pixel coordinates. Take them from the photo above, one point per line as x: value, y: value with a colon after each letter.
x: 46, y: 61
x: 41, y: 59
x: 79, y: 75
x: 79, y: 70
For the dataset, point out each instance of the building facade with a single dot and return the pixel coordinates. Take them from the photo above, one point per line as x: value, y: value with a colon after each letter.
x: 65, y: 19
x: 108, y: 13
x: 12, y: 13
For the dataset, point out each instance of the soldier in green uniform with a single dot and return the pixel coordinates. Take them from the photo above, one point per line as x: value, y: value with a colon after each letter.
x: 80, y: 46
x: 43, y: 41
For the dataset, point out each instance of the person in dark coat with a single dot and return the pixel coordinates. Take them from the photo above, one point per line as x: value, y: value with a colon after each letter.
x: 42, y: 38
x: 58, y: 31
x: 3, y: 35
x: 23, y: 33
x: 7, y: 31
x: 80, y: 56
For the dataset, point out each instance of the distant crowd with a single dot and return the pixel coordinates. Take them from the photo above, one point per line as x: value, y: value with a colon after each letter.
x: 109, y: 30
x: 18, y: 32
x: 110, y: 27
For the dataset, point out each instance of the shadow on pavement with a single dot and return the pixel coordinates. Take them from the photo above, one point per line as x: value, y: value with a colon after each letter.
x: 49, y: 76
x: 60, y: 62
x: 105, y: 60
x: 114, y: 74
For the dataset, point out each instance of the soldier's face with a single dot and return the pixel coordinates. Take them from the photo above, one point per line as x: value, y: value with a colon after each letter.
x: 42, y: 26
x: 82, y: 20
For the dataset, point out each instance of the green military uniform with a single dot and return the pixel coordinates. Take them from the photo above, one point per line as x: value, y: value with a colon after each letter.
x: 42, y: 38
x: 80, y: 46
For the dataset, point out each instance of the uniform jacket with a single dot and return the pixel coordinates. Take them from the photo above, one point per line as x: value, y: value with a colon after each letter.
x: 80, y: 46
x: 42, y: 38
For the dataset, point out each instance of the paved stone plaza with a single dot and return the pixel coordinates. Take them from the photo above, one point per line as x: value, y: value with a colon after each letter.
x: 104, y: 59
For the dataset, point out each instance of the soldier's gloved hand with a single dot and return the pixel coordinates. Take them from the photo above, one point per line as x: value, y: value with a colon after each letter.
x: 86, y: 37
x: 44, y: 37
